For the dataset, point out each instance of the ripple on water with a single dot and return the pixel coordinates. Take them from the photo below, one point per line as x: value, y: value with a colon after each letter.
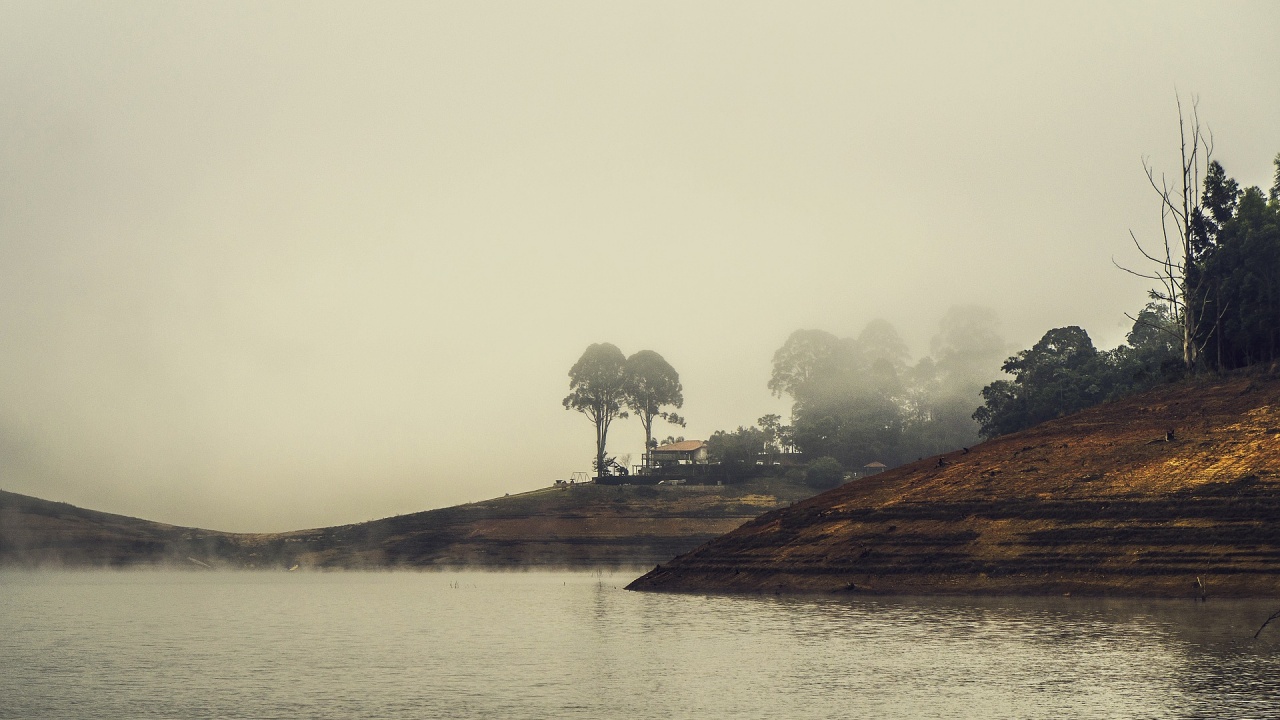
x: 551, y: 645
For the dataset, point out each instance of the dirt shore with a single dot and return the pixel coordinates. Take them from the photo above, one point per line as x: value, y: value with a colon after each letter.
x: 558, y: 526
x: 1098, y: 503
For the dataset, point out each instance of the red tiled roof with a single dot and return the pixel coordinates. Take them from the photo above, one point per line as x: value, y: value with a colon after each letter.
x: 685, y: 446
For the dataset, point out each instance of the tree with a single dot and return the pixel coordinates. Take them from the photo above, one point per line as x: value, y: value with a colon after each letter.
x: 1154, y: 333
x: 806, y: 355
x: 856, y: 429
x: 1182, y: 224
x: 880, y: 341
x: 597, y: 389
x: 824, y: 473
x: 1064, y: 372
x: 859, y: 399
x: 1241, y: 271
x: 651, y: 383
x: 1274, y: 194
x: 777, y: 436
x: 1153, y: 353
x: 968, y: 345
x: 941, y: 391
x: 846, y: 392
x: 737, y: 452
x: 1220, y: 270
x: 743, y: 446
x: 1060, y: 374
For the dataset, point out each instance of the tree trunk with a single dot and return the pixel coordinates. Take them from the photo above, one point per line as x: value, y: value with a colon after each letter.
x: 602, y: 429
x: 1188, y: 339
x: 646, y: 419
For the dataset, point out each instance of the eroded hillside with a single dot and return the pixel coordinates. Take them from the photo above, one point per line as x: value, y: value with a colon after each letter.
x: 1100, y: 502
x: 565, y: 526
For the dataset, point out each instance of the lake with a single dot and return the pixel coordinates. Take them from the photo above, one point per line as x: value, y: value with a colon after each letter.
x: 565, y: 645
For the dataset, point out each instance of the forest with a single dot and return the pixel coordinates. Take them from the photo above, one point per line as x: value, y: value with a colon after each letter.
x: 856, y: 400
x: 1216, y: 309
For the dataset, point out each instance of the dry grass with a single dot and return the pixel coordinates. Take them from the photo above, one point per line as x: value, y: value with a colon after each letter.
x: 1094, y: 503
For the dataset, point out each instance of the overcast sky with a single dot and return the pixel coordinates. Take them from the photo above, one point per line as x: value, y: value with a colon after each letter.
x: 266, y: 266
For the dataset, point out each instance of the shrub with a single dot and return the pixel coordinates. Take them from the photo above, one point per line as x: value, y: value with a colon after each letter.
x: 824, y: 473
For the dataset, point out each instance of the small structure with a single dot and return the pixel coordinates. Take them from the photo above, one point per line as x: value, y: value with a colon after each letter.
x: 873, y: 468
x: 687, y: 452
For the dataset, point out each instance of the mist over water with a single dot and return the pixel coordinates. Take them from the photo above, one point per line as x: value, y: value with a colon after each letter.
x: 543, y: 645
x: 271, y: 266
x: 274, y: 266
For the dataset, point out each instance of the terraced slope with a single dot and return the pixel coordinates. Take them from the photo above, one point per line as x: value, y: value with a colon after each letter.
x: 583, y: 525
x: 568, y: 526
x: 40, y: 533
x: 1095, y: 503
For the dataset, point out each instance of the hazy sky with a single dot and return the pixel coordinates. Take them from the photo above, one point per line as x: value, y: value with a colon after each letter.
x: 266, y: 266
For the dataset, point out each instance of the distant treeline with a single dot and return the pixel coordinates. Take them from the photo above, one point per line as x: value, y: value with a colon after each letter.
x: 860, y: 400
x: 1223, y: 313
x: 1064, y: 372
x: 1235, y: 275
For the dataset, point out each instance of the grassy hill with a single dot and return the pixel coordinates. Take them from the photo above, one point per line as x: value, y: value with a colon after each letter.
x: 1094, y: 503
x: 569, y: 526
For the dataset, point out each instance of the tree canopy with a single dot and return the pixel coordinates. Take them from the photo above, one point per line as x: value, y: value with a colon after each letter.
x: 861, y: 399
x: 741, y: 447
x: 823, y: 473
x: 597, y: 389
x: 1238, y: 264
x: 1056, y: 376
x: 650, y: 385
x: 1064, y: 373
x: 1218, y: 309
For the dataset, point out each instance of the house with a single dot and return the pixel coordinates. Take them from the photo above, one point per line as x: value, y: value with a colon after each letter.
x: 686, y: 452
x: 872, y: 468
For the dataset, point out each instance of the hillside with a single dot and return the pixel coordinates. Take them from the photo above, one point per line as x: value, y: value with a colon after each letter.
x: 570, y: 526
x: 1094, y: 503
x: 40, y: 533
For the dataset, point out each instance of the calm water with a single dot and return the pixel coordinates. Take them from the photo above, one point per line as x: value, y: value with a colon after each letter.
x: 546, y: 645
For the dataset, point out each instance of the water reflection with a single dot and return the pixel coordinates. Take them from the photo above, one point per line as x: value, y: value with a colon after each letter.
x: 576, y: 645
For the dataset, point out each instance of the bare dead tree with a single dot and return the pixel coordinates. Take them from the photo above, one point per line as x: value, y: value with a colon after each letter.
x: 1179, y: 286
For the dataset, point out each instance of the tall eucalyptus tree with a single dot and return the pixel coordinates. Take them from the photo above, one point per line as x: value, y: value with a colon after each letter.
x: 598, y: 389
x: 651, y: 384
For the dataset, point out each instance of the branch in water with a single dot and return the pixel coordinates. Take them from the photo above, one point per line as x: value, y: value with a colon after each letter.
x: 1274, y: 615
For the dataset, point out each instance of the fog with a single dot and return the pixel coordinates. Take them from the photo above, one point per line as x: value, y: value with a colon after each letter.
x: 272, y: 266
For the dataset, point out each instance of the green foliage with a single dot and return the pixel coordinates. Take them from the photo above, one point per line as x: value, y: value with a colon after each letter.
x: 777, y: 437
x: 742, y: 447
x: 860, y: 400
x: 749, y: 451
x: 942, y: 390
x: 823, y: 473
x: 1274, y: 194
x: 1238, y: 273
x: 1058, y: 375
x: 843, y: 390
x: 650, y: 385
x: 806, y: 355
x: 597, y: 389
x: 1232, y: 285
x: 1064, y: 373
